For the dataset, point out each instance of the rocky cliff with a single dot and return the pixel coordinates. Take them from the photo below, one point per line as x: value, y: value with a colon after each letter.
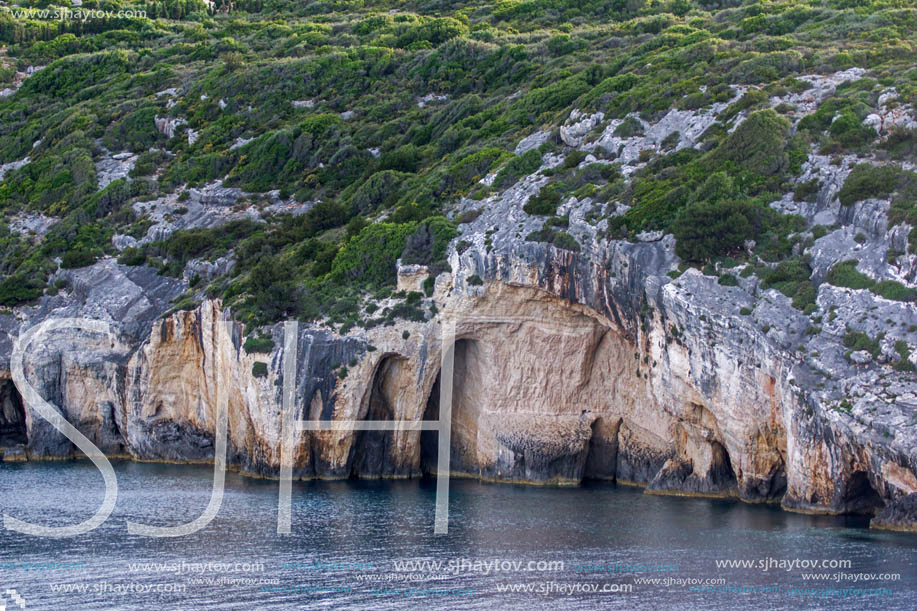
x: 599, y: 363
x: 565, y: 368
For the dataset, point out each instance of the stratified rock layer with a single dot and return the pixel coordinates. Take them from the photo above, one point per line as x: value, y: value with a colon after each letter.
x: 562, y: 371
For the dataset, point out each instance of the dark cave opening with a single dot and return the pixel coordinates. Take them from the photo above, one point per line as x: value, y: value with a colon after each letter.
x: 859, y: 495
x: 429, y: 440
x: 12, y: 416
x: 602, y: 452
x: 721, y: 473
x: 371, y: 455
x: 778, y: 483
x: 466, y: 399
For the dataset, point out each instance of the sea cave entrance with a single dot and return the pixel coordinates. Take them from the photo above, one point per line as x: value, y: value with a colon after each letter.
x: 602, y: 452
x: 468, y: 395
x: 372, y: 456
x: 860, y: 497
x: 12, y: 416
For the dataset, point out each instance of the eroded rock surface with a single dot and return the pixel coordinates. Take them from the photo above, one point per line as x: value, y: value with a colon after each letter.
x: 568, y: 365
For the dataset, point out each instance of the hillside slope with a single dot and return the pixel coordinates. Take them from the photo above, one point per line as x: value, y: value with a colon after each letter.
x: 676, y: 238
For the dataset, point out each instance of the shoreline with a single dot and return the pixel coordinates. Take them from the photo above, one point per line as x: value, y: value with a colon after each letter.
x: 728, y: 496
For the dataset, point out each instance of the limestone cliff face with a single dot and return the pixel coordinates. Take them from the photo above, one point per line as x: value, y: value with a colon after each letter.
x: 566, y: 367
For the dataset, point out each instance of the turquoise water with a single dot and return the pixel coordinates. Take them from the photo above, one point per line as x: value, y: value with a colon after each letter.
x: 347, y: 536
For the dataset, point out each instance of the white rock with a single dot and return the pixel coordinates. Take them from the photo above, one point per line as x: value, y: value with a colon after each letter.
x: 576, y: 129
x: 121, y: 241
x: 431, y: 97
x: 168, y: 125
x: 532, y: 141
x: 240, y: 142
x: 12, y: 166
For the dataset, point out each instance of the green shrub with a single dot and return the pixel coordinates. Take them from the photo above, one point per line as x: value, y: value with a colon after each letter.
x: 429, y: 33
x: 904, y: 351
x: 135, y: 132
x: 845, y: 274
x: 275, y: 293
x: 475, y: 280
x: 671, y: 141
x: 629, y: 128
x: 703, y: 230
x: 259, y: 344
x: 70, y: 78
x: 518, y: 166
x: 849, y: 132
x: 564, y: 240
x: 792, y: 279
x: 370, y: 257
x: 766, y: 66
x: 901, y: 144
x: 562, y: 44
x: 381, y: 190
x: 132, y: 257
x: 428, y: 242
x: 857, y: 340
x: 78, y: 257
x: 573, y: 159
x: 804, y: 297
x: 896, y: 291
x: 866, y: 180
x: 552, y: 97
x: 758, y: 145
x: 147, y: 163
x: 17, y: 289
x: 545, y: 202
x: 259, y: 369
x: 472, y: 168
x: 794, y: 270
x: 405, y: 159
x: 806, y: 191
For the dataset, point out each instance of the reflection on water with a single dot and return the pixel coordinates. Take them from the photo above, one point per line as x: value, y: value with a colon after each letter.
x: 377, y: 523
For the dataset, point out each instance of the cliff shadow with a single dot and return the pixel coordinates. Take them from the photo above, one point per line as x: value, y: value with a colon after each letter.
x: 372, y: 452
x: 860, y: 497
x: 12, y: 416
x: 602, y: 452
x: 467, y: 395
x: 429, y: 440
